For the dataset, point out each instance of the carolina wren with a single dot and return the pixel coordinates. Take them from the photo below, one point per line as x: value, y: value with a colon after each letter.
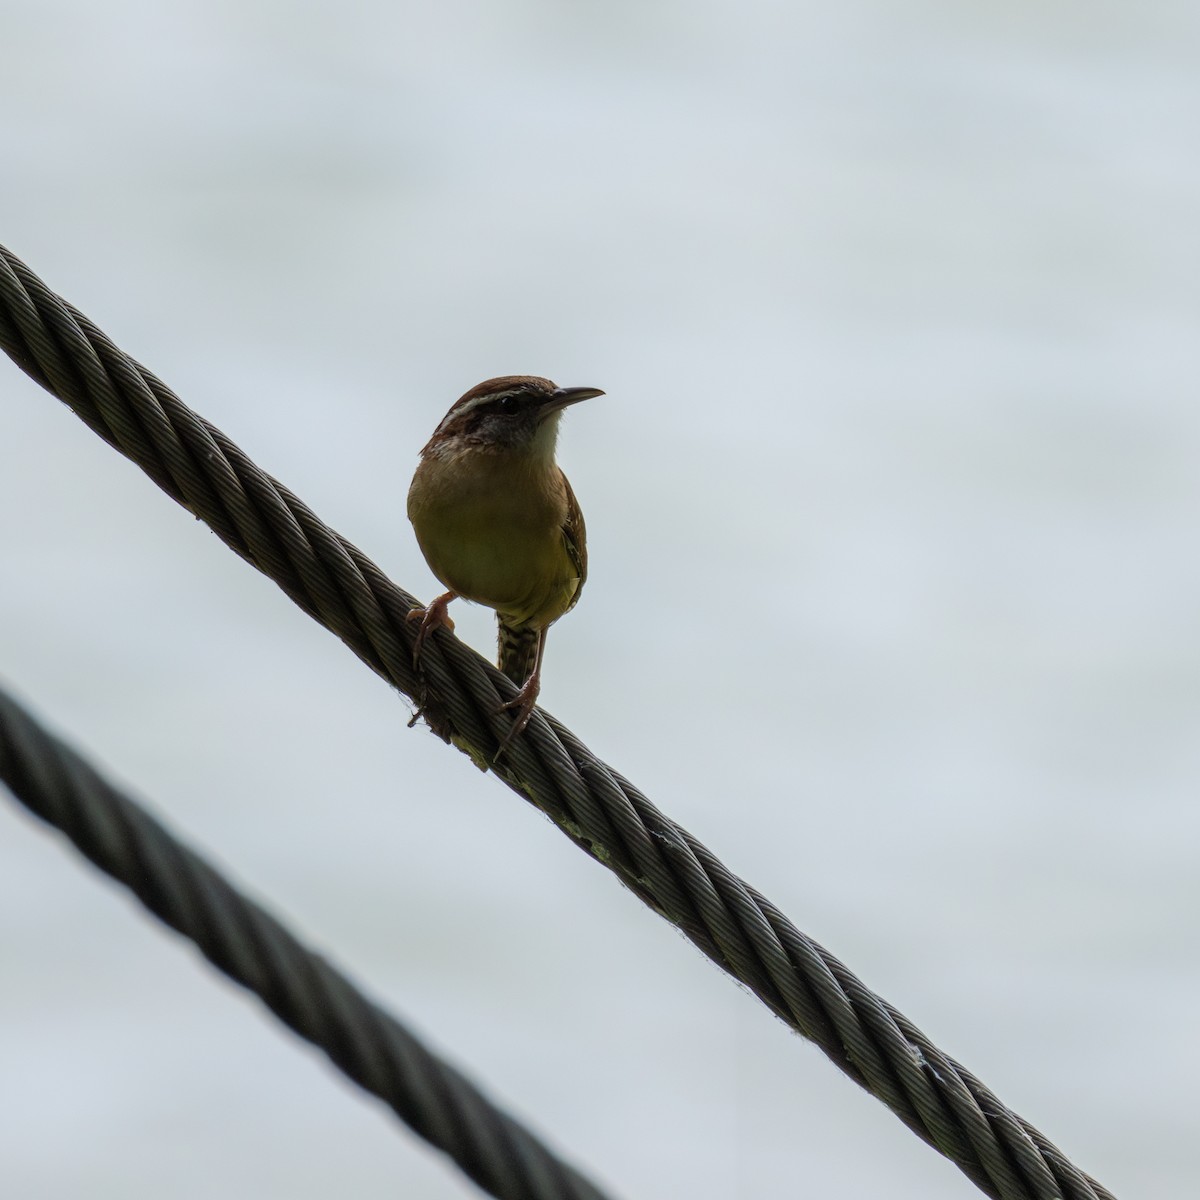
x: 498, y: 523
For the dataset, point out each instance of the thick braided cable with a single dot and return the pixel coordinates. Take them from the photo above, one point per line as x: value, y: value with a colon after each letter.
x: 300, y: 987
x: 459, y: 694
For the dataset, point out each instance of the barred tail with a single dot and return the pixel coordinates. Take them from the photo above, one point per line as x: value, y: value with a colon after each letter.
x: 518, y: 650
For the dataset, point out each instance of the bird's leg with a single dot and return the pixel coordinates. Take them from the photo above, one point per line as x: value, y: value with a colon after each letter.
x: 526, y: 698
x: 431, y: 617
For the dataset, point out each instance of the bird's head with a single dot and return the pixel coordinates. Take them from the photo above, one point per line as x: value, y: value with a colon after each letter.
x: 517, y: 413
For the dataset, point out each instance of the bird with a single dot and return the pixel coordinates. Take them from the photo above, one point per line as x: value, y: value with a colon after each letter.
x: 498, y: 523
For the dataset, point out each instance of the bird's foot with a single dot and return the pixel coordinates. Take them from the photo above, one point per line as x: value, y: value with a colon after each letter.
x: 432, y: 616
x: 524, y: 702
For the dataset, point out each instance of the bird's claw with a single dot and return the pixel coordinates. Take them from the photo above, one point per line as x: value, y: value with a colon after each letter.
x: 525, y: 701
x: 432, y: 616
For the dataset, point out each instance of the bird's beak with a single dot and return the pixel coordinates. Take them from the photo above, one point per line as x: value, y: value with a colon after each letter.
x: 561, y: 397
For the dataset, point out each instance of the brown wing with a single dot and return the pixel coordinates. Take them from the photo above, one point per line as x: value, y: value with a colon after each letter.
x: 575, y: 540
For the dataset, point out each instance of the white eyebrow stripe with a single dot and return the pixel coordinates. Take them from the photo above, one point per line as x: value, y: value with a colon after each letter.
x: 489, y: 398
x: 460, y: 410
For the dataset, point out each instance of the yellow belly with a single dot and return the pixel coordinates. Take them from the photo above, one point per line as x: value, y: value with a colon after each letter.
x: 492, y: 531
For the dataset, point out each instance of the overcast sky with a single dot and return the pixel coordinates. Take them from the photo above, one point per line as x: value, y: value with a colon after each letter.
x: 892, y: 504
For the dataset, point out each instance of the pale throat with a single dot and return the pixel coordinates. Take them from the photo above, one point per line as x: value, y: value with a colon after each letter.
x: 545, y: 440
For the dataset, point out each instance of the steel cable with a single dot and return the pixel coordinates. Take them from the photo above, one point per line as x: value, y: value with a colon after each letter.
x: 459, y: 694
x: 254, y: 949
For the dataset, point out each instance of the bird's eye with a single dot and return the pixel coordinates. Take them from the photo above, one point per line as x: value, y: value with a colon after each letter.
x: 507, y: 404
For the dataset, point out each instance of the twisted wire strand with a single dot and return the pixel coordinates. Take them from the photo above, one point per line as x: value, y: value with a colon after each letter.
x: 459, y: 694
x: 254, y: 949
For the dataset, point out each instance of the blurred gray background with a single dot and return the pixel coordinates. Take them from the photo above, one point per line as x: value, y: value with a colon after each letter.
x: 893, y: 512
